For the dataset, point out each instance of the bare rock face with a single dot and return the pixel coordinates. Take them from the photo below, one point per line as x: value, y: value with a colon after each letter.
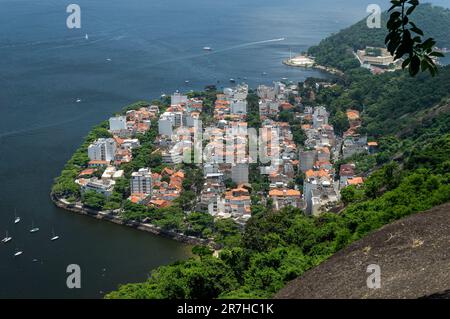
x: 413, y: 255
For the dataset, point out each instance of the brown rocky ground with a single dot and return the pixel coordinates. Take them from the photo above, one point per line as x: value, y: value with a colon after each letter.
x: 413, y: 254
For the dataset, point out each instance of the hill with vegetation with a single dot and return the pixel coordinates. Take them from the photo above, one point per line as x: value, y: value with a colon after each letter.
x: 422, y: 237
x: 337, y: 50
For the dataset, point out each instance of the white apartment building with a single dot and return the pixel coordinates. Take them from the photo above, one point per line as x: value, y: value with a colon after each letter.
x: 168, y: 121
x: 141, y: 181
x: 104, y: 187
x: 103, y: 149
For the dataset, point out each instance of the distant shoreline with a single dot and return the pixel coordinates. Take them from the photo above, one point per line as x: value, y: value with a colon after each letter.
x: 149, y: 228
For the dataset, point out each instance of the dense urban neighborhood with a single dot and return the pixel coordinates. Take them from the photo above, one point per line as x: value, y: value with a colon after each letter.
x: 189, y: 162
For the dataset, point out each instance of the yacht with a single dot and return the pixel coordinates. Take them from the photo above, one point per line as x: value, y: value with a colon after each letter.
x: 33, y: 229
x: 18, y: 253
x: 207, y: 49
x: 16, y: 218
x: 6, y: 239
x: 54, y: 237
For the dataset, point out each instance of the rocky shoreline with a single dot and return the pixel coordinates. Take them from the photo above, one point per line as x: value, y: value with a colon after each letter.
x: 150, y: 228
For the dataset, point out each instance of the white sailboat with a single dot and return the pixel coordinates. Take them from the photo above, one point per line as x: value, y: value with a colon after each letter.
x: 16, y: 218
x: 6, y: 239
x: 33, y: 229
x: 54, y: 237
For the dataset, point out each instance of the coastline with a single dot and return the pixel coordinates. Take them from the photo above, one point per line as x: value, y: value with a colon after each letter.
x: 146, y: 227
x: 314, y: 65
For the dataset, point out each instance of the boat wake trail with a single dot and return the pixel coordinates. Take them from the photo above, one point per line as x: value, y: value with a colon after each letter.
x: 235, y: 47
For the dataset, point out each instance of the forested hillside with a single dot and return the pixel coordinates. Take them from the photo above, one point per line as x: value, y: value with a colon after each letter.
x: 336, y: 50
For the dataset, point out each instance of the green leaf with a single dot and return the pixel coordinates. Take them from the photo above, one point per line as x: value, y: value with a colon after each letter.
x: 437, y: 54
x: 414, y: 66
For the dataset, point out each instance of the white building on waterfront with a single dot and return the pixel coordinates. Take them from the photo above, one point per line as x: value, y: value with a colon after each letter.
x: 104, y: 187
x: 103, y: 149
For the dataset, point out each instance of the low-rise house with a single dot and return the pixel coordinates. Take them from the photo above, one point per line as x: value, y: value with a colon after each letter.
x: 355, y: 181
x: 104, y: 187
x: 372, y: 147
x: 238, y: 202
x: 346, y: 172
x: 353, y: 145
x: 323, y: 198
x: 111, y: 173
x: 98, y: 163
x: 88, y: 172
x: 285, y: 197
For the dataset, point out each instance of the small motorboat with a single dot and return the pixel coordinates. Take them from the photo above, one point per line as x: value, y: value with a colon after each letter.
x: 207, y: 49
x: 33, y: 229
x: 7, y: 239
x: 18, y: 253
x: 54, y: 237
